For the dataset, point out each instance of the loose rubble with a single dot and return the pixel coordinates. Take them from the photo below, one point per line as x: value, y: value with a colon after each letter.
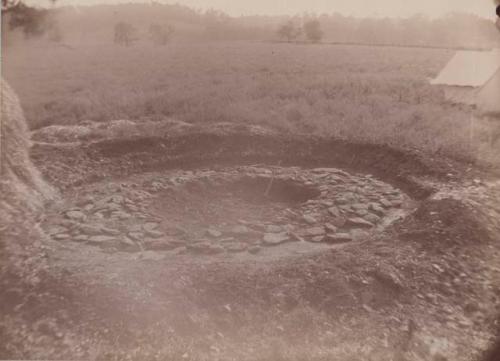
x: 285, y: 205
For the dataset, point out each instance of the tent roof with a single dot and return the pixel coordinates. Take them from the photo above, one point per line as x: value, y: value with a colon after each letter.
x: 469, y: 68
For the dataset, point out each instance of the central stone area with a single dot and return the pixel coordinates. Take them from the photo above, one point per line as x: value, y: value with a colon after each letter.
x: 228, y: 210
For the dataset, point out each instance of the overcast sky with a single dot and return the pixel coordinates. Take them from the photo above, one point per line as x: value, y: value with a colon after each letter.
x: 391, y: 8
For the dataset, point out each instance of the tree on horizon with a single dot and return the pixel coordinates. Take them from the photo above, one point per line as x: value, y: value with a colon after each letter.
x: 289, y: 31
x: 312, y: 30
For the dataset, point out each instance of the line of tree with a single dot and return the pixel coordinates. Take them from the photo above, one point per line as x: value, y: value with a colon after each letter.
x: 311, y: 29
x: 126, y: 34
x: 452, y: 30
x: 93, y: 22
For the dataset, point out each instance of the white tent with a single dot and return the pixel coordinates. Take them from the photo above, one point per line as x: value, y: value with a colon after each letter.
x: 488, y: 97
x: 473, y: 77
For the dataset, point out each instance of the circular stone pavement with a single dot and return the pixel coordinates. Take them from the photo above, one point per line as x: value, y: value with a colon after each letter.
x: 222, y: 211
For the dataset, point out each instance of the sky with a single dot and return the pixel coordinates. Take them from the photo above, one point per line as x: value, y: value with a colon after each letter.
x: 360, y: 8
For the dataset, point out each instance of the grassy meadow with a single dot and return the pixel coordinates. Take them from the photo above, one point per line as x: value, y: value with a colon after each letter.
x: 362, y: 93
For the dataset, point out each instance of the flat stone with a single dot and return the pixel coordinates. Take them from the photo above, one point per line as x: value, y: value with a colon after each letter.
x: 205, y: 248
x: 57, y: 229
x: 341, y: 201
x: 359, y: 222
x: 273, y: 239
x: 327, y: 203
x: 81, y: 238
x: 214, y: 233
x: 397, y: 203
x: 101, y: 239
x: 359, y: 206
x: 159, y: 244
x: 240, y: 230
x: 136, y: 236
x: 75, y: 215
x: 361, y: 212
x: 61, y: 236
x: 330, y: 228
x: 334, y: 211
x: 254, y: 249
x: 68, y: 224
x: 338, y: 238
x: 372, y: 218
x: 97, y: 230
x: 236, y: 247
x: 309, y: 219
x: 135, y: 228
x: 150, y: 226
x: 317, y: 239
x: 89, y: 207
x: 127, y: 242
x: 325, y: 170
x: 151, y: 256
x: 377, y: 209
x: 109, y: 207
x: 257, y: 226
x: 155, y: 234
x: 295, y: 237
x: 385, y: 203
x: 132, y: 208
x: 391, y: 192
x: 345, y: 208
x: 110, y: 231
x: 115, y: 199
x: 351, y: 197
x: 338, y: 222
x: 358, y: 233
x: 274, y: 229
x: 259, y: 170
x: 313, y: 232
x: 121, y: 215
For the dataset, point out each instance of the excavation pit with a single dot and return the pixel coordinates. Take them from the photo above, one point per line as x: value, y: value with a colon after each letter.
x: 236, y: 210
x: 268, y: 189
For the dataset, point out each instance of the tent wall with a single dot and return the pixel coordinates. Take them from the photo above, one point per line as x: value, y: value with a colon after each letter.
x: 488, y: 97
x: 460, y: 95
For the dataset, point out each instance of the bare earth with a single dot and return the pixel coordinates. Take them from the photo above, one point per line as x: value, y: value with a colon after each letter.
x: 233, y: 249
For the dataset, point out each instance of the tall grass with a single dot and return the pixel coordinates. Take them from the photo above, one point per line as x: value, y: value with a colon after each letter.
x: 378, y: 95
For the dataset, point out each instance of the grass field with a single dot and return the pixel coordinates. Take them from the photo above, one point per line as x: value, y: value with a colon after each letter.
x: 371, y: 94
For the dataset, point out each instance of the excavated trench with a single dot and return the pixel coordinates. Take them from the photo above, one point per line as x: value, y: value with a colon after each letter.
x: 151, y: 227
x: 184, y: 194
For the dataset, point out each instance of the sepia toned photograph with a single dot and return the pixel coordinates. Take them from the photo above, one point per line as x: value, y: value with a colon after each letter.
x: 250, y: 180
